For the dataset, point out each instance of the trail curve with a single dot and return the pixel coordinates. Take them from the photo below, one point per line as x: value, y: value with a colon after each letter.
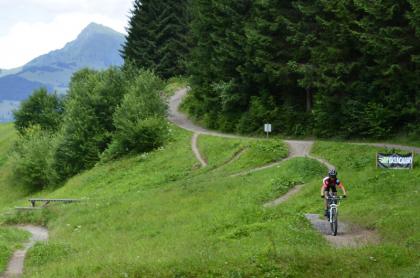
x: 196, y: 150
x: 350, y: 235
x: 15, y: 266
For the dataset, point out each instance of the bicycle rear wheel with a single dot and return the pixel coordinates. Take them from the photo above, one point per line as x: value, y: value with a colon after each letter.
x: 334, y: 222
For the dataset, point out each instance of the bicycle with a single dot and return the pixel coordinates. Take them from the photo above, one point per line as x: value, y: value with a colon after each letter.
x: 333, y: 203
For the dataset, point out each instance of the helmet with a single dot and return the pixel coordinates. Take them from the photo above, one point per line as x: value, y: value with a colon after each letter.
x: 332, y: 173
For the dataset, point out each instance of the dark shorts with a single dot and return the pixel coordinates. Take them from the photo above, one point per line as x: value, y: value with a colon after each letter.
x: 331, y: 188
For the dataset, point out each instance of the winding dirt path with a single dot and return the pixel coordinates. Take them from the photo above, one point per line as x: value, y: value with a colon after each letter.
x: 349, y: 235
x: 15, y: 267
x: 196, y: 150
x: 181, y: 120
x: 296, y: 147
x: 235, y: 157
x: 284, y: 197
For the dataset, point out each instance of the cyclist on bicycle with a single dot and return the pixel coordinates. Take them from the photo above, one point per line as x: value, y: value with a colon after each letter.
x: 329, y: 184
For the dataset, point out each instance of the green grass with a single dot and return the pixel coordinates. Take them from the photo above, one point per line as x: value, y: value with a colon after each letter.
x: 387, y: 200
x: 397, y: 140
x: 254, y: 152
x: 160, y: 215
x: 9, y: 190
x: 10, y: 240
x: 7, y: 135
x: 409, y: 141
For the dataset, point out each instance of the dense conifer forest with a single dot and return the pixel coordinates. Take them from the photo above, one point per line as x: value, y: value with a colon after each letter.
x: 341, y: 68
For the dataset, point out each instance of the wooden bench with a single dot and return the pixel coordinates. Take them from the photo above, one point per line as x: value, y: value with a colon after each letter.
x: 47, y: 201
x: 27, y: 208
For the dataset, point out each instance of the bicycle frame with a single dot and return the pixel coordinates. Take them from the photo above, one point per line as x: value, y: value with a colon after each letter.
x: 333, y: 203
x: 332, y: 207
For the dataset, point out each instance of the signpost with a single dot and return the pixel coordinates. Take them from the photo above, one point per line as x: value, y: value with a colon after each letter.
x: 267, y: 129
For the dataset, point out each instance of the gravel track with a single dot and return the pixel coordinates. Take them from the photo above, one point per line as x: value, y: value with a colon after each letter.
x: 15, y: 266
x: 348, y: 235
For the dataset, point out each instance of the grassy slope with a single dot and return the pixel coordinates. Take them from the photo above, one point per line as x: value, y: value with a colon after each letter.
x: 156, y: 214
x: 10, y: 238
x: 159, y: 215
x: 9, y: 191
x: 219, y: 152
x: 7, y: 135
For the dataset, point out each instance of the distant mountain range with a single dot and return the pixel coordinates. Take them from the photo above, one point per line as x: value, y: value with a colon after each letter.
x: 96, y: 47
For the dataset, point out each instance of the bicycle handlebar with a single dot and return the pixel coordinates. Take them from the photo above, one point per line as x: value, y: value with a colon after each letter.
x: 335, y: 197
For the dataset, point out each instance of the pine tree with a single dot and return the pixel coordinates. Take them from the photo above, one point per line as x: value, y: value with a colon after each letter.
x: 218, y: 32
x: 414, y: 21
x: 352, y: 65
x: 156, y: 36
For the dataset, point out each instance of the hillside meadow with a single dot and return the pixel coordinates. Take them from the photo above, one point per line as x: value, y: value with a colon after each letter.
x: 10, y: 238
x: 161, y: 215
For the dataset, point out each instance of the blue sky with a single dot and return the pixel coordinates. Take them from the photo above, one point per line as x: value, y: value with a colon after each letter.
x: 29, y: 28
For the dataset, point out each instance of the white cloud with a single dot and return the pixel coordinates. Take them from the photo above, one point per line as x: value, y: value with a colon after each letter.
x: 107, y: 7
x: 35, y: 33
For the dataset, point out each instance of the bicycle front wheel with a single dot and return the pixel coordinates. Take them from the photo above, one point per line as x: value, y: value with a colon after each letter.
x: 334, y: 222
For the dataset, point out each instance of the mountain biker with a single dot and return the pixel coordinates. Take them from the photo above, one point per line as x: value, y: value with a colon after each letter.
x: 329, y: 184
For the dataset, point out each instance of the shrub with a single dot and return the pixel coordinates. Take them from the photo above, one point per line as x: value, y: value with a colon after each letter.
x: 42, y: 109
x: 140, y: 120
x: 87, y: 125
x: 138, y: 137
x: 31, y: 158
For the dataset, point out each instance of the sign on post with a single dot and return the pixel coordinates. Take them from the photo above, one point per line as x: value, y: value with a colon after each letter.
x: 395, y: 161
x: 267, y: 128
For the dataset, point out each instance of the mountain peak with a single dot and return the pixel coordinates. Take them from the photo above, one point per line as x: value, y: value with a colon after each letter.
x: 95, y: 28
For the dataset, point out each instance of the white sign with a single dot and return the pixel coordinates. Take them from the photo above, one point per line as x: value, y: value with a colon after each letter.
x: 395, y: 161
x: 267, y: 128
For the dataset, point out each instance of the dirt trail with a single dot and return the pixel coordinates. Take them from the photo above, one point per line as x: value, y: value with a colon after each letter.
x: 181, y: 120
x: 235, y: 157
x: 348, y: 235
x: 196, y: 150
x: 285, y: 197
x: 231, y: 160
x: 297, y: 148
x: 15, y: 267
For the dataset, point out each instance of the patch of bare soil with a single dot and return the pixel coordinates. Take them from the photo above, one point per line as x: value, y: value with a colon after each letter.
x: 299, y: 148
x: 348, y: 235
